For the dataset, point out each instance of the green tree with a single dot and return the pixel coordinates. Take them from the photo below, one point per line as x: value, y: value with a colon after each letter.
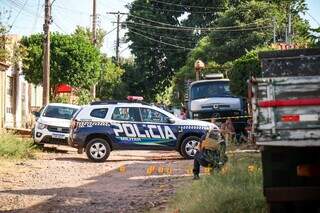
x: 74, y: 60
x: 251, y: 27
x: 158, y: 42
x: 86, y: 32
x: 110, y: 79
x: 3, y: 41
x: 242, y: 69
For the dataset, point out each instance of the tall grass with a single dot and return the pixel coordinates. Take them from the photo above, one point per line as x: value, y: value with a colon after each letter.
x: 237, y: 188
x: 12, y: 146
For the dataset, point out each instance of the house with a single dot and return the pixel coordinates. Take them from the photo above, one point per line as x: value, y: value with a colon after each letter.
x: 18, y: 98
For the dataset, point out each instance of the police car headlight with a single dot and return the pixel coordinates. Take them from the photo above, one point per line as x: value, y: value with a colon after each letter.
x: 41, y: 126
x: 195, y: 115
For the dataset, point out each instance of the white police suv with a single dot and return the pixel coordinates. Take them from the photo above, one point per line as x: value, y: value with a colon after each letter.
x: 105, y: 126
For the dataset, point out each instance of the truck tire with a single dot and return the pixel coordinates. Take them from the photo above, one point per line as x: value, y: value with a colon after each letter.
x: 189, y: 147
x: 98, y: 150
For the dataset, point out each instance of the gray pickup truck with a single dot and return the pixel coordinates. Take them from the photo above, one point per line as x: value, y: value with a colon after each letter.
x: 286, y: 111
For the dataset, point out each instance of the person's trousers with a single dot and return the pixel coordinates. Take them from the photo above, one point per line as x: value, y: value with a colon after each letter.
x: 198, y: 161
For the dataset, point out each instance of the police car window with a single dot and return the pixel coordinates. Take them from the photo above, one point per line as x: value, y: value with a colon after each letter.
x: 99, y: 113
x: 151, y: 115
x: 126, y: 114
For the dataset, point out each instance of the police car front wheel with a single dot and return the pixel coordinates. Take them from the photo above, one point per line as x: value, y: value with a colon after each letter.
x: 189, y: 147
x: 98, y: 150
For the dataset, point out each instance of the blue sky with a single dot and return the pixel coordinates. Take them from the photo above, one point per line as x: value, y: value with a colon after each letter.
x: 67, y: 14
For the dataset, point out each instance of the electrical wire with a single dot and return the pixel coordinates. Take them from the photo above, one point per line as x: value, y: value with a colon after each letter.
x: 36, y: 17
x: 217, y: 29
x: 314, y: 19
x: 59, y: 27
x: 186, y: 27
x: 18, y: 5
x: 161, y: 42
x: 15, y: 19
x: 171, y: 10
x: 181, y: 5
x: 72, y: 10
x: 162, y: 36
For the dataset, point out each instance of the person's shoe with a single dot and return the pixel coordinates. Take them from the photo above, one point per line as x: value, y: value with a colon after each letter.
x: 196, y: 177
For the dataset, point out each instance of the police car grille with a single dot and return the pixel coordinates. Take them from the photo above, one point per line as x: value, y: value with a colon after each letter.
x: 58, y: 129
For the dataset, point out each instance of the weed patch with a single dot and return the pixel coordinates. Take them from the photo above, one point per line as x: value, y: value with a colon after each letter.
x: 236, y: 188
x: 11, y: 146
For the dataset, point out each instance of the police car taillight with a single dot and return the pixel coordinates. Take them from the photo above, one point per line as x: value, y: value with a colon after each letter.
x: 135, y: 98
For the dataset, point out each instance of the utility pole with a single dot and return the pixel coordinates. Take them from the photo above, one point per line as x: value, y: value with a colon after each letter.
x: 118, y: 37
x: 94, y: 23
x: 94, y: 39
x: 46, y: 55
x: 274, y: 30
x: 290, y: 27
x: 118, y: 33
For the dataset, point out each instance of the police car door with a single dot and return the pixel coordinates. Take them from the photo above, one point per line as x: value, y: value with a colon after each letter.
x: 157, y: 130
x: 125, y: 125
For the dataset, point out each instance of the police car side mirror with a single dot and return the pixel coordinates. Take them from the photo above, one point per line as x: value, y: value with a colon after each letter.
x: 171, y: 120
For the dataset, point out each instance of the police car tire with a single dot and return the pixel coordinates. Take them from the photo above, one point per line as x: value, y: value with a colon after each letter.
x: 95, y: 141
x: 183, y: 146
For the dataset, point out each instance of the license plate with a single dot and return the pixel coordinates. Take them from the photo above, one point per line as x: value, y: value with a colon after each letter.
x: 58, y: 136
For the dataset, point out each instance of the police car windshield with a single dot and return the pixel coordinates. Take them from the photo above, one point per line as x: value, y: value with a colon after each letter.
x: 169, y: 114
x: 210, y: 89
x: 59, y: 112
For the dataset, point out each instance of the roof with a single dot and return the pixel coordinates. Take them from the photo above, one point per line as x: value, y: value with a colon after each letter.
x: 64, y: 105
x: 117, y: 102
x: 207, y: 81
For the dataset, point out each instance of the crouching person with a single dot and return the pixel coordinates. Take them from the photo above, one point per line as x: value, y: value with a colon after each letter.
x: 211, y: 152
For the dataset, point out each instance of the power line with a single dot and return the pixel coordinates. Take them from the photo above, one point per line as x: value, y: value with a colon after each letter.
x: 313, y: 18
x: 36, y: 17
x: 161, y: 42
x: 20, y: 6
x: 186, y: 27
x: 111, y: 31
x: 21, y: 9
x: 181, y: 5
x: 162, y: 36
x: 60, y: 28
x: 73, y: 10
x: 217, y: 29
x: 171, y: 10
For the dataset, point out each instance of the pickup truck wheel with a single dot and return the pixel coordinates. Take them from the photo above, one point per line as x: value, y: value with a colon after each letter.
x: 189, y: 147
x: 98, y: 150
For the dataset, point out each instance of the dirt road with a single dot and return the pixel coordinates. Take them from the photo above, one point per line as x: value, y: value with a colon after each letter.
x: 130, y: 181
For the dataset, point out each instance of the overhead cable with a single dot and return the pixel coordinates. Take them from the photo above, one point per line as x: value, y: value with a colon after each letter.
x: 222, y: 29
x: 161, y: 42
x: 182, y: 5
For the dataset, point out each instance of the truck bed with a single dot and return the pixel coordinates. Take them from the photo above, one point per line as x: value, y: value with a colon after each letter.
x: 286, y: 111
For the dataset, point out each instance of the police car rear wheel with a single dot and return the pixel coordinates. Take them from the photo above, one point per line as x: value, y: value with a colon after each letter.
x: 189, y: 147
x: 98, y: 150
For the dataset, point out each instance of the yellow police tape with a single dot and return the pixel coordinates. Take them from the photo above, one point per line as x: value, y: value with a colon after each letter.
x: 162, y: 170
x: 223, y: 118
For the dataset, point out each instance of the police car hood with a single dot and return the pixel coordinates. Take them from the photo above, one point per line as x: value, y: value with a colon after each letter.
x: 197, y: 123
x: 54, y: 121
x: 222, y: 103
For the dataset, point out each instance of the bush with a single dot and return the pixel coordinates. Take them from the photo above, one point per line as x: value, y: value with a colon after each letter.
x: 13, y: 147
x: 237, y: 188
